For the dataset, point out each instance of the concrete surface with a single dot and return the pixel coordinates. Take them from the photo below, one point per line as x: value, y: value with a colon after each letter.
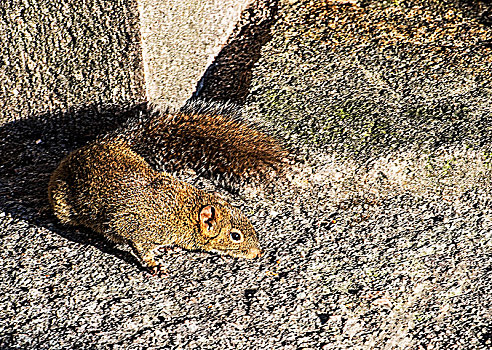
x: 379, y: 237
x: 180, y: 39
x: 61, y: 56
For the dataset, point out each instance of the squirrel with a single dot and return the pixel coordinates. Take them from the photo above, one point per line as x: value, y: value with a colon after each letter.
x: 112, y: 189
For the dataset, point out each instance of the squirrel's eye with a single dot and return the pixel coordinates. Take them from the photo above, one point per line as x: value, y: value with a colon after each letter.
x: 236, y: 236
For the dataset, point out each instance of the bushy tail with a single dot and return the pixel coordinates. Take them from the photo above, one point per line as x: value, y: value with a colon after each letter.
x: 207, y: 137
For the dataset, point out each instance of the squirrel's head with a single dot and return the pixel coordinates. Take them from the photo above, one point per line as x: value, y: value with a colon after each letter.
x: 225, y: 230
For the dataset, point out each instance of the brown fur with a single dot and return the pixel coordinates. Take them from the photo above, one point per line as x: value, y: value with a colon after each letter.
x: 112, y: 190
x: 209, y: 138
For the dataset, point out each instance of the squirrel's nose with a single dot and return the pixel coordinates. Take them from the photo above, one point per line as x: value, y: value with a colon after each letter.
x: 255, y: 252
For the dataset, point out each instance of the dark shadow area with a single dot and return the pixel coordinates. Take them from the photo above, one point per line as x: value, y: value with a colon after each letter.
x: 57, y: 54
x: 228, y: 78
x: 32, y: 148
x: 481, y: 10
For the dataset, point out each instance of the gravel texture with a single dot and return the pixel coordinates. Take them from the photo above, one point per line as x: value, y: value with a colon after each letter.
x: 378, y: 237
x: 59, y: 56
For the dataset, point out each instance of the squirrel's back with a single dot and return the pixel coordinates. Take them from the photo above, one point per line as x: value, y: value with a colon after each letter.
x: 91, y: 173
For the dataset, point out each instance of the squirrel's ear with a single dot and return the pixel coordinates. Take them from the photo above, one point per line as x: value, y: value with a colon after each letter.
x: 207, y: 219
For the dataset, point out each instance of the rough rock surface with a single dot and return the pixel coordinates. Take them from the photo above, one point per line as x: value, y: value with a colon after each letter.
x: 379, y: 237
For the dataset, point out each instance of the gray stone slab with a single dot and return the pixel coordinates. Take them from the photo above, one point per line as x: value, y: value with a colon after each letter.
x: 60, y: 56
x: 180, y: 39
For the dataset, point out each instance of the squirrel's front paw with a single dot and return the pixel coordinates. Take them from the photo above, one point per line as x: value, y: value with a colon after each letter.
x: 169, y: 249
x: 158, y: 270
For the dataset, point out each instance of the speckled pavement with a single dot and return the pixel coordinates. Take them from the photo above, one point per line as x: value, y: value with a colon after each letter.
x: 377, y: 237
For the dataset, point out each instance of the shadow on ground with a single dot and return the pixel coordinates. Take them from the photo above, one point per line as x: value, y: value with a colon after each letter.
x: 479, y: 9
x: 32, y: 148
x: 228, y: 78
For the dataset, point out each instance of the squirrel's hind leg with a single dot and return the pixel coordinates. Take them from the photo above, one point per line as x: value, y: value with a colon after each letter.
x: 59, y: 197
